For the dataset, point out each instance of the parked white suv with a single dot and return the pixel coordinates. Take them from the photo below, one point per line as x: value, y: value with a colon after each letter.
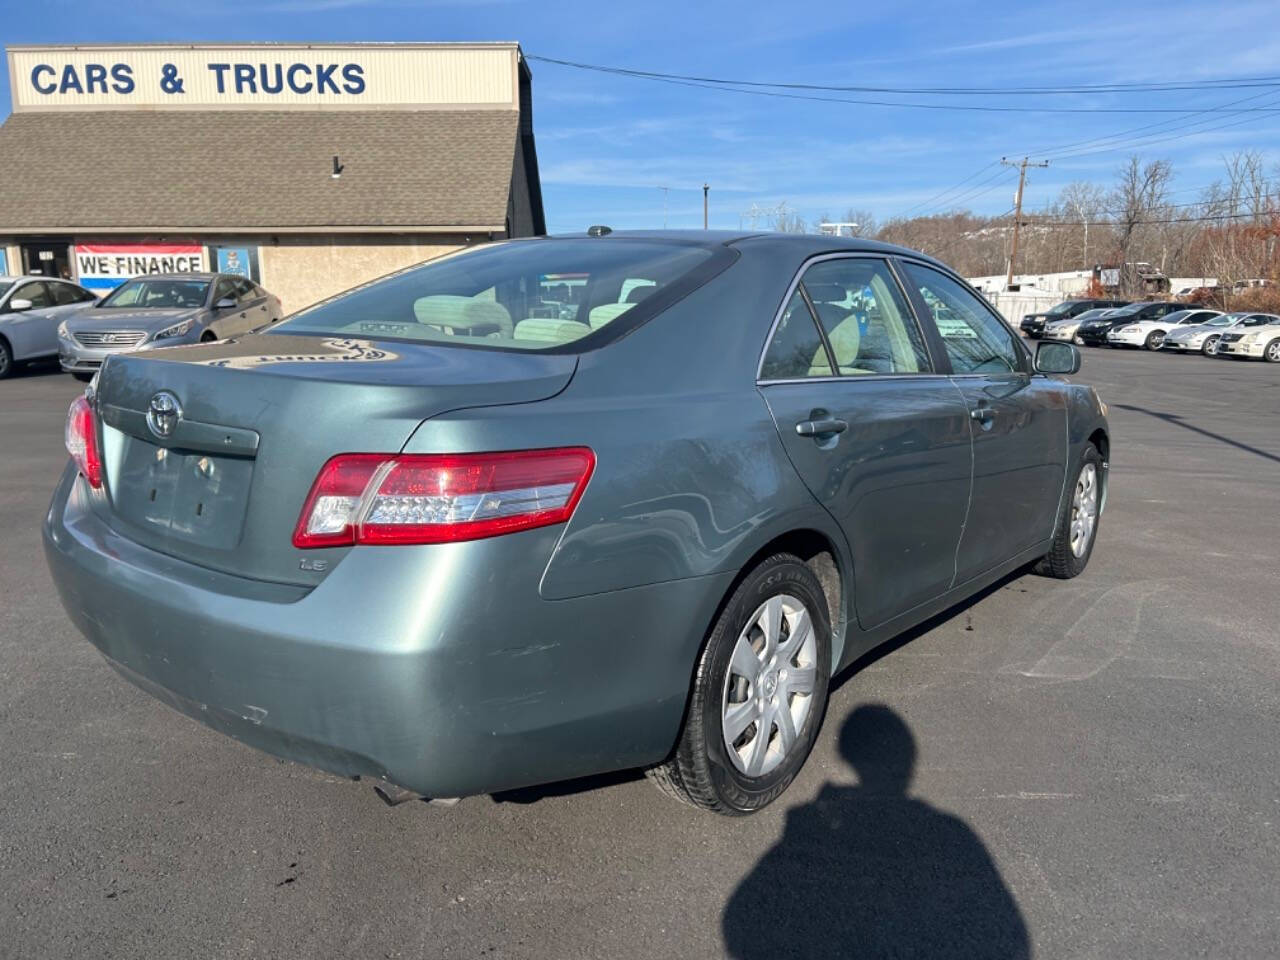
x: 1151, y: 333
x: 1256, y: 338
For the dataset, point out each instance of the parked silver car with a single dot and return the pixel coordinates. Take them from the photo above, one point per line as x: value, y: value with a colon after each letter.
x: 1203, y: 337
x: 1150, y: 333
x: 163, y: 310
x: 1256, y: 338
x: 1065, y: 330
x: 30, y: 310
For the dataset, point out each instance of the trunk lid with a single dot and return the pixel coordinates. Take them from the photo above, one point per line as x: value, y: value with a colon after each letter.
x: 216, y: 471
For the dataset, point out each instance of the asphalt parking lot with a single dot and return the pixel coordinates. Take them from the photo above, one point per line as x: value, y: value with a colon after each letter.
x: 1078, y: 769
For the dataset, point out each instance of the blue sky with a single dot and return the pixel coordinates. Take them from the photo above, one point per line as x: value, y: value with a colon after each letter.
x: 608, y: 144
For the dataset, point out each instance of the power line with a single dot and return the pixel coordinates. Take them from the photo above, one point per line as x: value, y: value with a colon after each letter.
x: 928, y: 204
x: 1161, y: 86
x: 726, y: 87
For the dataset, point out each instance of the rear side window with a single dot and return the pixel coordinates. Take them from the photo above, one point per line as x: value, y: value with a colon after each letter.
x: 865, y: 317
x: 796, y: 349
x: 525, y: 295
x: 65, y: 293
x: 245, y: 292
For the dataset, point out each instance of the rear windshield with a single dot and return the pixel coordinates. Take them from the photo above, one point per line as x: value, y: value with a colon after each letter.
x: 527, y: 295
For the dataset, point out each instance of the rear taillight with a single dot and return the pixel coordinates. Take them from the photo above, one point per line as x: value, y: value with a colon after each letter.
x: 82, y: 441
x: 439, y: 498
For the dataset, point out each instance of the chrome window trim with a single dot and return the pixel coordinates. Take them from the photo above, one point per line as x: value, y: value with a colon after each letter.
x: 887, y: 260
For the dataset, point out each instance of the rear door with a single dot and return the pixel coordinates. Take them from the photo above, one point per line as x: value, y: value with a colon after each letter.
x: 253, y: 306
x: 878, y: 436
x: 1018, y: 422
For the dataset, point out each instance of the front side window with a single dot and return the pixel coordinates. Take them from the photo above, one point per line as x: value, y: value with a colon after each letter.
x: 865, y: 317
x: 525, y: 295
x: 974, y: 339
x: 161, y: 294
x: 37, y: 293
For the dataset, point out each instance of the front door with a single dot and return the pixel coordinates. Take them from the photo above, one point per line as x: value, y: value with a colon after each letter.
x: 1018, y: 421
x: 879, y: 438
x: 30, y: 331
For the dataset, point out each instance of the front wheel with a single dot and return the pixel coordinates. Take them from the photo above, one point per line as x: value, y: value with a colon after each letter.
x: 1271, y: 353
x: 1210, y: 348
x: 758, y: 696
x: 1155, y: 339
x: 1077, y: 527
x: 6, y: 359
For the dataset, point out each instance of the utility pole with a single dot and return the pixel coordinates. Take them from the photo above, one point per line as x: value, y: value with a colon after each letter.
x: 1017, y: 208
x: 705, y: 190
x: 664, y: 206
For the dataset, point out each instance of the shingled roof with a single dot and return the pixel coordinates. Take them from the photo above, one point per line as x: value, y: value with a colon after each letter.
x: 245, y: 170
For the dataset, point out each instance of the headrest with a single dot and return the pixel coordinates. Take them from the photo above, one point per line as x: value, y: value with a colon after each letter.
x: 462, y: 313
x: 826, y: 292
x: 606, y: 312
x: 636, y: 294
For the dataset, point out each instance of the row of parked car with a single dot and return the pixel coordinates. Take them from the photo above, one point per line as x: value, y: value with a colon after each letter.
x: 1159, y: 325
x: 42, y: 317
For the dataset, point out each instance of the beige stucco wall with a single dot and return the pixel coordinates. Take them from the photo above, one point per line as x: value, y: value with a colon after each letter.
x: 301, y: 272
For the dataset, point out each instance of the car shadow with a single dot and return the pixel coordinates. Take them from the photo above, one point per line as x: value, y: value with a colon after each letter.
x: 36, y: 368
x: 871, y: 871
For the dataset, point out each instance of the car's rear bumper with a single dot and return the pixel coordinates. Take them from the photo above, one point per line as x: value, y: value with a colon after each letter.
x: 428, y: 666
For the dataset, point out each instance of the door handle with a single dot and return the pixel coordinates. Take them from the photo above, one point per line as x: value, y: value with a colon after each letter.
x: 819, y: 428
x: 984, y: 415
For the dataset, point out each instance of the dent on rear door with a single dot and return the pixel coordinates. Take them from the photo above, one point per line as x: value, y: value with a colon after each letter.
x: 897, y: 480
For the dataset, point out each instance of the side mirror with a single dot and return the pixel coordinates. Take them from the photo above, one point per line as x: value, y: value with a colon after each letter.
x: 1053, y: 356
x: 18, y: 304
x: 226, y: 303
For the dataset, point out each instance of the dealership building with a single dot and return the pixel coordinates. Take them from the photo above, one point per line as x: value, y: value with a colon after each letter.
x: 310, y: 168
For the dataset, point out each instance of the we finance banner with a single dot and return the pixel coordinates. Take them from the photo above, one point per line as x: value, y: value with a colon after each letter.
x: 104, y: 266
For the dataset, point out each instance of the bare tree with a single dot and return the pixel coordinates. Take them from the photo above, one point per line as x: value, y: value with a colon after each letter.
x: 1085, y: 203
x: 1141, y: 195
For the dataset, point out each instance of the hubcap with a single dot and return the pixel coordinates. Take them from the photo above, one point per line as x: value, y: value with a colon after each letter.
x: 768, y: 689
x: 1084, y: 509
x: 1273, y: 352
x: 1211, y: 345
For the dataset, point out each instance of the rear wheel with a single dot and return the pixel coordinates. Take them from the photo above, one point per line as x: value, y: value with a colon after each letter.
x: 1210, y: 347
x: 758, y: 696
x: 1271, y: 353
x: 1077, y: 527
x: 1155, y: 339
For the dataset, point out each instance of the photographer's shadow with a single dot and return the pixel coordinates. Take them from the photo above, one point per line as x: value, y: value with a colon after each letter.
x: 869, y: 871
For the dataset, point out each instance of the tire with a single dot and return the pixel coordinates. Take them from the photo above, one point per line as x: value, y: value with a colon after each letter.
x: 1210, y: 347
x: 1271, y: 352
x: 1154, y: 339
x: 1067, y: 558
x: 83, y: 377
x: 701, y: 770
x: 208, y: 336
x: 6, y: 359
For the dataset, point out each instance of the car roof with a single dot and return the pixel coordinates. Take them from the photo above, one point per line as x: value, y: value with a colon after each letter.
x: 806, y: 244
x: 175, y: 276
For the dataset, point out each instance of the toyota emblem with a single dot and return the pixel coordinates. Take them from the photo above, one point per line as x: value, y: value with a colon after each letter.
x: 163, y: 414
